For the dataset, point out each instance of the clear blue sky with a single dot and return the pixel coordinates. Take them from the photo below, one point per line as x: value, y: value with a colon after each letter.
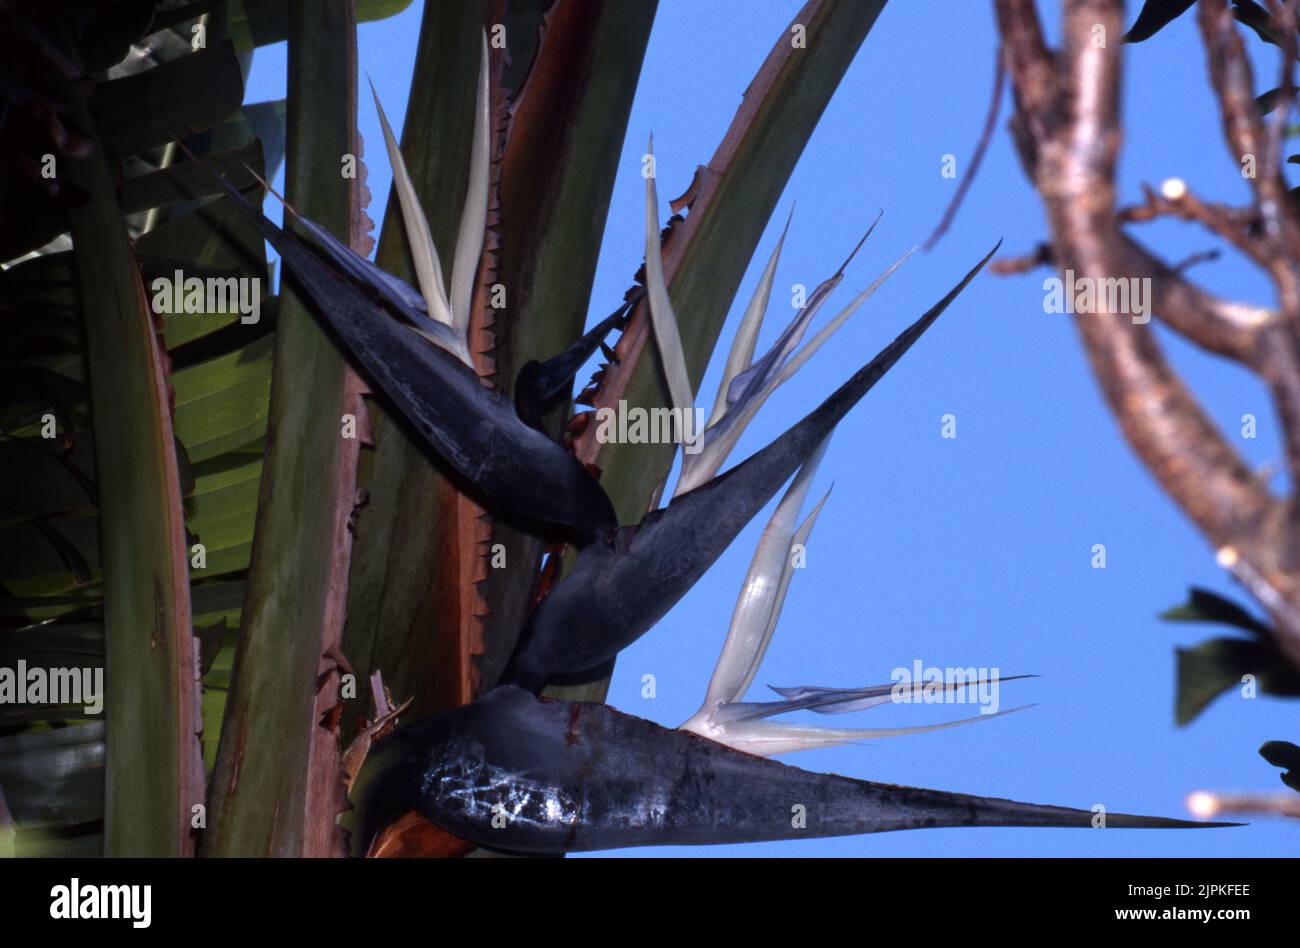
x: 967, y: 552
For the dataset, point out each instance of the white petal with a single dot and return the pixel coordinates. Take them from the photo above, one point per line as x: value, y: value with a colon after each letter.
x: 769, y: 738
x: 473, y: 218
x: 662, y: 317
x: 709, y: 460
x: 428, y: 269
x: 759, y: 605
x: 800, y: 539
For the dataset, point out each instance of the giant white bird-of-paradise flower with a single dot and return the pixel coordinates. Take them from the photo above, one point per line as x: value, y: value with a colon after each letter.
x: 569, y: 776
x: 746, y: 382
x: 519, y: 773
x: 452, y: 310
x: 515, y: 772
x: 727, y: 718
x: 619, y: 587
x: 624, y: 578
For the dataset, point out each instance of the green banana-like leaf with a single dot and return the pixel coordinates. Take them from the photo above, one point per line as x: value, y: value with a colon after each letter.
x: 53, y: 783
x: 273, y: 775
x: 211, y: 355
x: 142, y: 111
x: 263, y: 22
x: 222, y: 508
x: 221, y: 405
x: 263, y: 121
x: 153, y: 774
x: 186, y: 182
x: 208, y: 239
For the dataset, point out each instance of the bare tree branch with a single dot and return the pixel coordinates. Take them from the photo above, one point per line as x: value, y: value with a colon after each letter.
x: 1201, y: 256
x: 1040, y: 256
x: 1230, y: 223
x: 1206, y: 805
x: 1279, y: 240
x: 986, y: 136
x: 1220, y: 326
x: 1285, y: 14
x: 1068, y: 134
x: 1244, y: 131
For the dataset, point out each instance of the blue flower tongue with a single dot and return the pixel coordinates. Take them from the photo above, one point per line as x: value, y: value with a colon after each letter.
x: 751, y: 381
x: 518, y: 773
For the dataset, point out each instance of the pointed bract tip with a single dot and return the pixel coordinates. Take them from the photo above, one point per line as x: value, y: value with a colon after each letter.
x: 849, y: 258
x: 374, y: 94
x: 221, y: 178
x: 278, y: 196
